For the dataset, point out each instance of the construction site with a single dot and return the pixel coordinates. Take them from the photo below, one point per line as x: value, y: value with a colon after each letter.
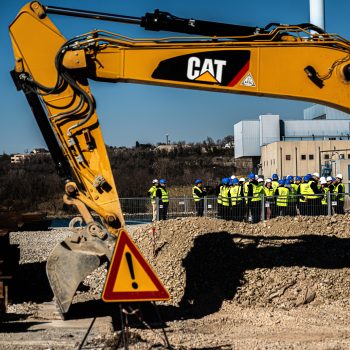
x: 282, y: 284
x: 244, y: 265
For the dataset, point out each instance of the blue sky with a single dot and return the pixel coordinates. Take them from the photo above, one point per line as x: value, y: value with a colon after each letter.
x: 130, y: 112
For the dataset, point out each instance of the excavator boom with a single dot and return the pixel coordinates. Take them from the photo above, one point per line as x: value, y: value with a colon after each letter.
x: 295, y: 62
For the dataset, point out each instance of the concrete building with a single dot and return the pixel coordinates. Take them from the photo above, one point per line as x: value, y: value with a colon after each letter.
x: 321, y: 124
x: 302, y: 157
x: 250, y: 135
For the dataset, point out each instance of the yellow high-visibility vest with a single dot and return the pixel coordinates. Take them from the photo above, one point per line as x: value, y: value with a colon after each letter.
x: 282, y: 198
x: 195, y: 196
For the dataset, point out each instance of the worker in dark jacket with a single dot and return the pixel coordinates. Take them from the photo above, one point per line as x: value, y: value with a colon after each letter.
x: 198, y: 195
x: 315, y: 196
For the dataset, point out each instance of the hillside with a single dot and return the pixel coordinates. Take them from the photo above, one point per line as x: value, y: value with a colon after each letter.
x: 34, y: 184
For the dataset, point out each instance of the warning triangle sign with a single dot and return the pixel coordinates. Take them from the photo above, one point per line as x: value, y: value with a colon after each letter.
x: 248, y: 81
x: 130, y: 277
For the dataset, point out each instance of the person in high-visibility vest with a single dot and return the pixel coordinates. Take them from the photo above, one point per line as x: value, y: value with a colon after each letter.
x: 226, y: 199
x: 269, y: 200
x: 237, y: 199
x: 324, y: 200
x: 152, y: 195
x: 218, y: 192
x: 303, y: 191
x: 254, y: 198
x: 292, y: 200
x: 163, y: 195
x: 282, y: 197
x: 198, y: 195
x: 274, y: 182
x: 339, y: 190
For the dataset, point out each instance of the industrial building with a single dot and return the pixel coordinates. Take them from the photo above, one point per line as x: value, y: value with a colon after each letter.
x: 302, y: 157
x: 319, y: 142
x: 319, y: 123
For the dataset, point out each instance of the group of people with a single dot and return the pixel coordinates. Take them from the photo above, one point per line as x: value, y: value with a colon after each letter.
x: 240, y: 199
x: 159, y: 192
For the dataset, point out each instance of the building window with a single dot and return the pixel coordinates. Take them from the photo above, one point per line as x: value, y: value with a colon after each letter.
x: 326, y: 156
x: 303, y: 157
x: 349, y: 156
x: 288, y: 157
x: 331, y: 138
x: 311, y: 156
x: 341, y: 156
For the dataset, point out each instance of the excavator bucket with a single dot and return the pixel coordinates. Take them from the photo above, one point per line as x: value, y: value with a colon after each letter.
x: 72, y: 260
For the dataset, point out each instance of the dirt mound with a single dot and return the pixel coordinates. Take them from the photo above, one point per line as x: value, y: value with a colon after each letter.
x: 284, y: 262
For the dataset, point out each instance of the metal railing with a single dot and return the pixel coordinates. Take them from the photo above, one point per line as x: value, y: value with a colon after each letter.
x: 246, y: 209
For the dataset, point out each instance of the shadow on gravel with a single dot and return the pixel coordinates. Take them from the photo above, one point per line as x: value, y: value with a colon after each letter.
x: 215, y: 265
x: 18, y: 327
x: 31, y: 284
x: 90, y: 309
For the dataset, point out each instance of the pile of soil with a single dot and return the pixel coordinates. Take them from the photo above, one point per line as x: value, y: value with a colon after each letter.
x: 283, y: 263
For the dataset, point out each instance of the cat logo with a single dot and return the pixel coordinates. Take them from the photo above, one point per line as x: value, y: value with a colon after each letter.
x: 209, y: 71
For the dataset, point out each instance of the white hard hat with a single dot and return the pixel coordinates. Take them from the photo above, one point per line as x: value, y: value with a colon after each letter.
x: 155, y: 181
x: 329, y: 178
x: 233, y: 177
x: 322, y: 178
x: 316, y: 175
x: 242, y: 179
x: 268, y: 180
x: 256, y: 177
x: 340, y: 176
x: 323, y: 181
x: 260, y: 179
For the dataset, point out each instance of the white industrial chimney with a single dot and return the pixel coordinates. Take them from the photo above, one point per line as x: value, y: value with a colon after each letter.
x: 317, y: 13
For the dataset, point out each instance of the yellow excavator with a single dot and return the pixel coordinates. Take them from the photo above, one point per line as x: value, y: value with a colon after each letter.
x: 288, y: 61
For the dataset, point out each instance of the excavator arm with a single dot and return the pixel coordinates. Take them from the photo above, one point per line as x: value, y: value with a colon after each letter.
x: 295, y: 62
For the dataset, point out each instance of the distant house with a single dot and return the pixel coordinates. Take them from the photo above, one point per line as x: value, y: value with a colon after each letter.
x: 39, y: 151
x: 19, y: 158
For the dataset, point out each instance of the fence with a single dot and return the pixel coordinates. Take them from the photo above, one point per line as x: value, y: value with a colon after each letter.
x: 140, y: 209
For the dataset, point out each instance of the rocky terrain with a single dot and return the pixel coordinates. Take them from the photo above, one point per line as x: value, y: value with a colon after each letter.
x: 282, y: 284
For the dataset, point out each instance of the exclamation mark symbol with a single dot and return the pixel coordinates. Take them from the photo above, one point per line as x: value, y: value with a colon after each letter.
x: 131, y: 269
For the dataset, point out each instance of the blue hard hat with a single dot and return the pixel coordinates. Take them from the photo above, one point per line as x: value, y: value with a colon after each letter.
x: 251, y: 176
x: 230, y: 182
x: 287, y: 182
x: 298, y: 178
x: 226, y: 181
x: 235, y: 181
x: 307, y: 178
x: 223, y: 180
x: 309, y: 175
x: 290, y: 178
x: 333, y: 178
x: 162, y: 181
x: 284, y: 177
x: 274, y: 177
x: 281, y: 182
x: 198, y: 181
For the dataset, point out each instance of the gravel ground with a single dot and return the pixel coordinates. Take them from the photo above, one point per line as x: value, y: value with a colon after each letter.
x: 280, y: 284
